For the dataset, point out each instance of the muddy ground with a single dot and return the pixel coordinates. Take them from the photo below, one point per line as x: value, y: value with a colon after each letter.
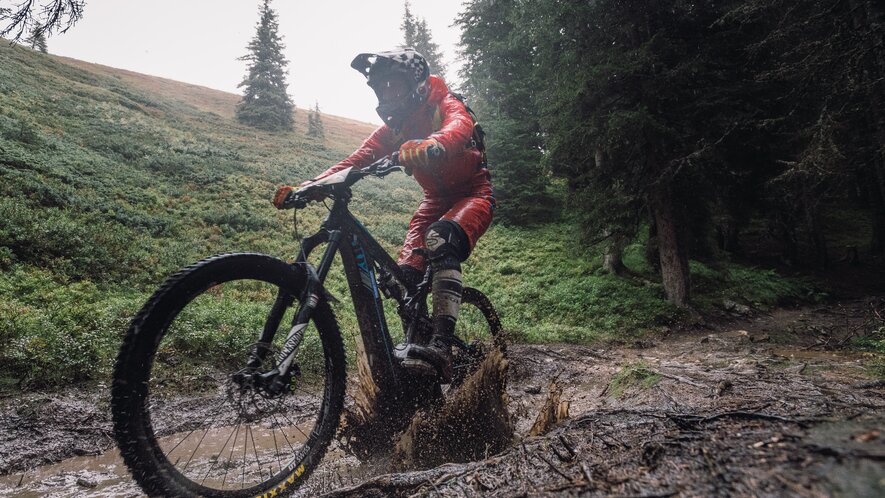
x: 768, y: 405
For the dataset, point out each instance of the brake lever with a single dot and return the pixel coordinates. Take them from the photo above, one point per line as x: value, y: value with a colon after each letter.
x: 384, y: 166
x: 302, y: 199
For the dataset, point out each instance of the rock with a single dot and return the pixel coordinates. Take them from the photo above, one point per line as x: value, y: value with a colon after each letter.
x: 87, y: 481
x: 734, y: 307
x: 532, y: 389
x: 724, y: 385
x: 867, y: 436
x: 641, y: 344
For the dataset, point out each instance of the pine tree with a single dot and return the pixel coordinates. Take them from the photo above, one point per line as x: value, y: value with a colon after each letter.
x: 425, y: 46
x: 315, y: 127
x: 831, y: 128
x: 38, y: 41
x: 617, y: 99
x: 638, y: 101
x: 416, y: 35
x: 265, y: 103
x: 498, y: 83
x: 409, y: 28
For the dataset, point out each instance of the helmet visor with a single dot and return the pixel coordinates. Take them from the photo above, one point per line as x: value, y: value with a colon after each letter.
x: 393, y: 89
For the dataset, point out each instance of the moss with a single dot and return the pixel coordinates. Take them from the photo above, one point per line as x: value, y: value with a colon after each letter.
x: 633, y: 376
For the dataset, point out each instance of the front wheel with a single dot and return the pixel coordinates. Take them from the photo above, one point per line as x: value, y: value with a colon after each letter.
x: 188, y: 421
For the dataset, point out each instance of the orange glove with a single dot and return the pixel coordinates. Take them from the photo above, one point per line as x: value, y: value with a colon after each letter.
x: 421, y: 153
x: 283, y: 195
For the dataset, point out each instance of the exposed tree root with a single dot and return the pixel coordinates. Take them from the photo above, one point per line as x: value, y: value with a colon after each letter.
x: 554, y: 411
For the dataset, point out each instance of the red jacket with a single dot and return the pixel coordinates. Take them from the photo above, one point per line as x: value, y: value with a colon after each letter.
x: 446, y: 119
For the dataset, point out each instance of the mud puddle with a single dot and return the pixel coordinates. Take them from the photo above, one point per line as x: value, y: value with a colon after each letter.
x: 104, y: 475
x: 202, y: 453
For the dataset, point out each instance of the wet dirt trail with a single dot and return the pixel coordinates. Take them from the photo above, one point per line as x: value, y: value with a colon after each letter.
x: 765, y: 405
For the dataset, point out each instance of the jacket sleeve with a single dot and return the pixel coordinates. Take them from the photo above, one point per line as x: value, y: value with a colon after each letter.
x: 380, y: 143
x: 457, y: 125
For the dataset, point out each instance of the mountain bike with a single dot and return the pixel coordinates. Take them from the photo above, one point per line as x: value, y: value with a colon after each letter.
x: 260, y: 420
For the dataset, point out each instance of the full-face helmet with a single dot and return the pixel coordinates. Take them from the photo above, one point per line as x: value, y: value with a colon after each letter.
x: 399, y: 79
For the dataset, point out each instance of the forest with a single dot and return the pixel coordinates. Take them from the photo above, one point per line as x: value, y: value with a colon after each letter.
x: 746, y: 129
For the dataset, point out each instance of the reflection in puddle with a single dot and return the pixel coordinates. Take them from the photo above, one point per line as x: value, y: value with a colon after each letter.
x: 99, y: 476
x: 266, y: 450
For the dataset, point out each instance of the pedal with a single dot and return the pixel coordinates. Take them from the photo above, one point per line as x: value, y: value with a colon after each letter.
x: 418, y: 366
x: 401, y: 352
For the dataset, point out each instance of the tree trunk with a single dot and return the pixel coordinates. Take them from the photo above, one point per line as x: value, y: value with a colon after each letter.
x: 612, y: 260
x: 652, y: 257
x: 790, y: 249
x: 867, y: 18
x: 815, y: 230
x: 674, y: 260
x: 727, y: 235
x: 876, y: 202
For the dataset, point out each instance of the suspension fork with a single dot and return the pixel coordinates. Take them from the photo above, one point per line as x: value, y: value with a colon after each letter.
x: 310, y: 297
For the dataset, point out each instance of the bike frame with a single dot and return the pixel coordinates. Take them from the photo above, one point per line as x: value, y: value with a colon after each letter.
x: 361, y: 255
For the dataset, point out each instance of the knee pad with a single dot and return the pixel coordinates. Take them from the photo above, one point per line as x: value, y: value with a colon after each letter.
x: 446, y: 243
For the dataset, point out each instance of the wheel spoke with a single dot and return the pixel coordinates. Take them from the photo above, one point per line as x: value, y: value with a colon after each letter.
x: 245, y: 450
x: 276, y: 450
x: 255, y: 450
x: 230, y: 458
x: 199, y: 443
x: 211, y: 423
x: 284, y: 434
x: 218, y: 457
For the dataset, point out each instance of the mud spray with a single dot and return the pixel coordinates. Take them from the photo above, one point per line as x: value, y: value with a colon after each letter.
x: 471, y: 424
x: 467, y: 423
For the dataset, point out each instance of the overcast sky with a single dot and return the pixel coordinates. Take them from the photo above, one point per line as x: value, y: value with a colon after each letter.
x: 198, y: 41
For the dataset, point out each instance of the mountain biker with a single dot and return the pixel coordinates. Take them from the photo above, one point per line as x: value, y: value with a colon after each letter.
x: 435, y: 135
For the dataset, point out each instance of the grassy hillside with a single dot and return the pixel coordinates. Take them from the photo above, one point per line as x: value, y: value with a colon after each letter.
x: 112, y: 180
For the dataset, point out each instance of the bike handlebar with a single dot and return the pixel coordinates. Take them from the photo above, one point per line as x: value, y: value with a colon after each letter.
x: 380, y: 168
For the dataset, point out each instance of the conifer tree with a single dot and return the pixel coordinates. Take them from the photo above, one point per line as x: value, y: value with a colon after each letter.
x: 417, y: 35
x: 497, y: 82
x: 409, y: 27
x: 315, y: 127
x: 425, y: 46
x: 265, y: 103
x: 38, y: 41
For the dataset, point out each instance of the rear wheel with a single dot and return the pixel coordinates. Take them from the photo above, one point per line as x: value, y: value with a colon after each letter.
x: 477, y: 332
x: 186, y: 419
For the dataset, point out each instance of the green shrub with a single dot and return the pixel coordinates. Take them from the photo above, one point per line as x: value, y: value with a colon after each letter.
x: 54, y: 332
x: 760, y: 288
